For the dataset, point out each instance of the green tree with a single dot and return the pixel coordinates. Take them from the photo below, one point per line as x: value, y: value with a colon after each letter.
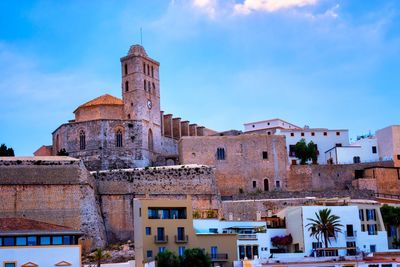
x: 99, y: 255
x: 62, y: 152
x: 167, y: 259
x: 6, y: 151
x: 306, y: 152
x: 195, y: 258
x: 301, y: 151
x: 324, y: 226
x: 390, y: 215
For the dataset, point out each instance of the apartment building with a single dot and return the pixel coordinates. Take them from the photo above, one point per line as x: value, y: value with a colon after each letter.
x: 30, y: 243
x: 162, y: 224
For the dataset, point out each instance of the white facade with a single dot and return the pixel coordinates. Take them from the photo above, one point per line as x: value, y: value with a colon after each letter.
x: 363, y: 150
x: 248, y: 237
x: 389, y: 143
x: 324, y: 139
x: 37, y: 256
x: 365, y: 241
x: 271, y: 125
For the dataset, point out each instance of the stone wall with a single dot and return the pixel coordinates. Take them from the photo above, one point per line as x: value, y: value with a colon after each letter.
x: 118, y: 188
x: 326, y: 177
x: 251, y: 163
x: 56, y: 190
x: 383, y: 180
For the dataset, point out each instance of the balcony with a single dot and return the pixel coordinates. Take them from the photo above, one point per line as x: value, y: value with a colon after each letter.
x: 350, y: 234
x: 219, y: 257
x: 247, y: 236
x: 160, y: 239
x: 180, y: 240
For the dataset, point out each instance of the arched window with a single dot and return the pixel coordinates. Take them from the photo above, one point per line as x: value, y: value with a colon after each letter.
x: 82, y: 140
x: 149, y: 86
x: 118, y: 138
x: 126, y: 69
x: 145, y: 85
x: 126, y: 86
x: 266, y: 185
x: 150, y: 140
x: 220, y: 153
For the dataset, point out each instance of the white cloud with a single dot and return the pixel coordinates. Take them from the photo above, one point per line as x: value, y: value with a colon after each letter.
x: 249, y: 6
x: 207, y: 6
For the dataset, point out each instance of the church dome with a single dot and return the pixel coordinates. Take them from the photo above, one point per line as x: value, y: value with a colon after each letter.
x: 137, y: 50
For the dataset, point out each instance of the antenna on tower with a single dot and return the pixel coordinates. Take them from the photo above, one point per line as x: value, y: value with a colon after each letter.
x: 141, y: 37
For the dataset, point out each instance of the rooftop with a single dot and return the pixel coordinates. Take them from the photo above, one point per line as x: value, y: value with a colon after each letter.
x: 102, y: 100
x: 37, y: 158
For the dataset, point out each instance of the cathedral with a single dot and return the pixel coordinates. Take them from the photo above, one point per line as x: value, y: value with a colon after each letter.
x: 111, y: 133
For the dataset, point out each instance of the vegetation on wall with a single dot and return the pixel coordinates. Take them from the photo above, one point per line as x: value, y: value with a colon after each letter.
x: 282, y: 241
x: 306, y: 152
x: 6, y: 151
x: 62, y: 152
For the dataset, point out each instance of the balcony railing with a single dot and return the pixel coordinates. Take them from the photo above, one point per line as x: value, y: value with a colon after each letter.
x: 247, y: 236
x: 350, y: 234
x: 183, y: 239
x: 219, y: 257
x: 160, y: 239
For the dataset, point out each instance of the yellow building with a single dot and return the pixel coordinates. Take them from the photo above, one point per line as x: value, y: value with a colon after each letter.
x: 162, y: 224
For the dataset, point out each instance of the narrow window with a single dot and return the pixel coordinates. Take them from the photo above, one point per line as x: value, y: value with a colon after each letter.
x: 374, y: 150
x: 149, y: 254
x: 254, y: 184
x: 126, y: 69
x: 148, y: 70
x: 126, y: 86
x: 292, y: 152
x: 144, y: 68
x: 265, y: 155
x: 278, y: 184
x: 118, y: 138
x: 148, y: 230
x: 149, y: 86
x: 82, y: 140
x: 266, y: 185
x: 152, y: 71
x: 220, y: 153
x: 145, y: 85
x: 181, y: 251
x: 154, y: 87
x: 150, y: 140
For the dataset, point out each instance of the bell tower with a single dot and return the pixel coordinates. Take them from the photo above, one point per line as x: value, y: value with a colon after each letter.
x: 141, y: 95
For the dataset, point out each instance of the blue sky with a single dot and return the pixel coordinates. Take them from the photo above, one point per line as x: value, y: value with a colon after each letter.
x: 322, y: 63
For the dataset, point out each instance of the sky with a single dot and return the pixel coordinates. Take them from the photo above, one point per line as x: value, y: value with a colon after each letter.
x: 321, y: 63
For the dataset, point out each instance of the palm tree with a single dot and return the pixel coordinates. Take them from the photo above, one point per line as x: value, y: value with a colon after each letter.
x: 326, y: 225
x: 99, y: 255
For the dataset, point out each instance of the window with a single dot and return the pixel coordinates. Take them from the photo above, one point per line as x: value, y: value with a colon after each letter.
x: 362, y: 227
x: 20, y: 241
x: 356, y: 159
x: 126, y: 86
x: 338, y: 145
x: 149, y: 86
x: 302, y: 134
x: 312, y: 134
x: 57, y: 240
x: 154, y: 88
x: 181, y: 233
x: 150, y: 140
x: 265, y: 155
x: 45, y: 240
x: 149, y: 254
x: 148, y: 69
x: 266, y: 185
x: 292, y: 152
x: 374, y: 150
x: 213, y: 230
x: 316, y: 245
x: 214, y: 252
x: 352, y: 251
x: 118, y: 138
x: 181, y: 251
x: 372, y: 248
x: 152, y: 71
x: 148, y: 230
x: 254, y: 184
x: 32, y: 241
x: 398, y: 157
x: 269, y: 133
x: 126, y: 69
x: 82, y: 140
x: 361, y: 214
x: 372, y: 229
x: 242, y: 252
x: 325, y: 133
x: 161, y: 249
x: 144, y: 68
x: 9, y: 264
x: 67, y: 240
x: 337, y: 133
x: 349, y: 230
x: 8, y: 241
x: 167, y: 213
x: 220, y: 153
x: 145, y: 85
x: 160, y: 234
x: 292, y: 134
x: 371, y: 214
x: 277, y: 184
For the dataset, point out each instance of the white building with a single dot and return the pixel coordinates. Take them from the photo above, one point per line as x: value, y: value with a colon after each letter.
x: 363, y: 230
x: 253, y: 236
x: 362, y: 150
x: 389, y: 143
x: 29, y: 243
x: 324, y: 139
x: 268, y: 126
